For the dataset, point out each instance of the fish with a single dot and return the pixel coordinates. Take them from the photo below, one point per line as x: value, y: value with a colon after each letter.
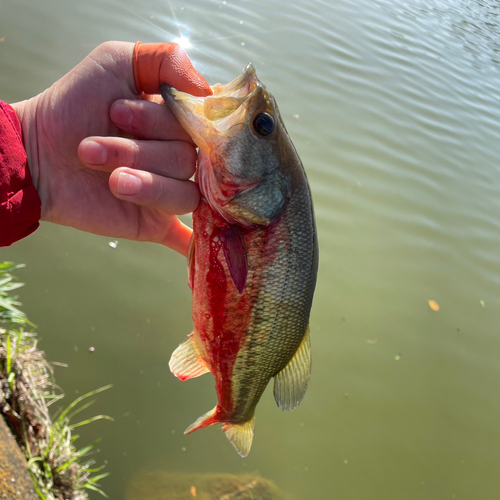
x: 253, y: 256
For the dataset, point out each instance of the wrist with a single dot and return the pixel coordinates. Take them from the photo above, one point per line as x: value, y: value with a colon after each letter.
x: 27, y: 119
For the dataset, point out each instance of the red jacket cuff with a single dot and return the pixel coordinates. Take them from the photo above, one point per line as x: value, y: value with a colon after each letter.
x: 20, y: 205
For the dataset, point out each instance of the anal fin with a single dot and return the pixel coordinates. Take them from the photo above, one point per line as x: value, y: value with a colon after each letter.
x: 241, y: 435
x: 290, y: 384
x: 204, y: 421
x: 186, y: 361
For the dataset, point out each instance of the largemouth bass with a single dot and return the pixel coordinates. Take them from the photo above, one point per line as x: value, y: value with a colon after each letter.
x: 253, y: 258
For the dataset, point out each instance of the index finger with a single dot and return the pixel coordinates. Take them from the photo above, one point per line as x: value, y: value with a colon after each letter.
x: 147, y: 120
x: 158, y: 63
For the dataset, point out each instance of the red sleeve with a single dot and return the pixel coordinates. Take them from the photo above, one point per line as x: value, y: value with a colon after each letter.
x: 20, y: 205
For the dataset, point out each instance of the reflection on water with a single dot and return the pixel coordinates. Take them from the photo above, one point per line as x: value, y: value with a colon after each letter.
x: 167, y: 486
x: 395, y: 111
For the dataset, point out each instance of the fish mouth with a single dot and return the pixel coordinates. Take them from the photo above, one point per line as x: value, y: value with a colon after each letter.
x: 223, y: 113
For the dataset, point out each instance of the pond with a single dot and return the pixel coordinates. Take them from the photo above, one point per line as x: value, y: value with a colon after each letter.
x: 394, y: 109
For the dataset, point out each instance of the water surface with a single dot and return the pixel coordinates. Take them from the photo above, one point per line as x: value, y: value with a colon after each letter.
x: 395, y: 111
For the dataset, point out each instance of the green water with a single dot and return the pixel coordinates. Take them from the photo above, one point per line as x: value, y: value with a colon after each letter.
x: 398, y: 126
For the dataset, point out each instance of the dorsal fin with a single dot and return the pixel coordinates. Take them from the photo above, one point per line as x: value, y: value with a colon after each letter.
x: 241, y: 435
x: 290, y: 384
x: 186, y: 361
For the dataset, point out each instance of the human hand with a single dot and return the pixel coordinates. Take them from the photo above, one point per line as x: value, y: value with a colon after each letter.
x: 108, y: 159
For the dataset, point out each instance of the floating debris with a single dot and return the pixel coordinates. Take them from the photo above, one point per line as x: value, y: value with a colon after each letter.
x: 296, y: 116
x: 482, y: 303
x: 113, y: 244
x: 91, y: 349
x: 2, y: 39
x: 193, y: 491
x: 57, y: 363
x: 371, y: 341
x: 433, y: 305
x: 397, y: 357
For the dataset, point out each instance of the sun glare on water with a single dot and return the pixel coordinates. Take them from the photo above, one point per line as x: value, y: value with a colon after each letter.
x: 183, y: 42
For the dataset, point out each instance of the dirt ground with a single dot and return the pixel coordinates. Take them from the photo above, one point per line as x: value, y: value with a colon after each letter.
x: 15, y: 480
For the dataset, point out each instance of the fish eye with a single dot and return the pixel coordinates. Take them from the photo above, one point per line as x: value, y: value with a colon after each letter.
x: 263, y: 124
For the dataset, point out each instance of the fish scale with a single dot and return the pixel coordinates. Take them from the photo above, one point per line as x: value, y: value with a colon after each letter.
x: 253, y: 258
x: 288, y: 311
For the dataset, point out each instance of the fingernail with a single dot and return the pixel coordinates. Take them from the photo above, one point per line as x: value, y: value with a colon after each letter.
x: 128, y: 185
x: 94, y: 153
x: 122, y: 115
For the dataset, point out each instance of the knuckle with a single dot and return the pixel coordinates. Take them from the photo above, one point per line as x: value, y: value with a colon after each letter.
x: 135, y: 155
x: 103, y: 48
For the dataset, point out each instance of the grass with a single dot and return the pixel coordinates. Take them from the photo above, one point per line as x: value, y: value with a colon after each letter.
x: 28, y: 392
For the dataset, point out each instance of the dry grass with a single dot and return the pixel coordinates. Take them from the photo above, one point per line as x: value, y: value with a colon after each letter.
x: 28, y: 392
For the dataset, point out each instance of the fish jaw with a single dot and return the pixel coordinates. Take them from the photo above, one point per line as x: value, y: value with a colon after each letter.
x: 240, y: 168
x: 205, y: 118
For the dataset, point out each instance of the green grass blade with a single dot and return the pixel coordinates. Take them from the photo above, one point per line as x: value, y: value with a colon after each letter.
x: 78, y: 410
x: 95, y: 479
x: 9, y: 356
x: 95, y: 488
x: 81, y: 398
x: 90, y: 420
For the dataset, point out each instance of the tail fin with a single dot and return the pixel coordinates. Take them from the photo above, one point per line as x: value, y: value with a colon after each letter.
x: 241, y: 435
x: 203, y: 421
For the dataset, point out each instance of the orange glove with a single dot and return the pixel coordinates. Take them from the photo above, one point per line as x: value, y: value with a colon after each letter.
x: 158, y: 63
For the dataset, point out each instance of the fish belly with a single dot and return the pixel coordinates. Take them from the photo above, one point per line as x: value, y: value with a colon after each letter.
x: 222, y: 316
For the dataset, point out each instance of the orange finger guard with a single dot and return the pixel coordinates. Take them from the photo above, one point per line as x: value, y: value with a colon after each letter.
x: 159, y: 63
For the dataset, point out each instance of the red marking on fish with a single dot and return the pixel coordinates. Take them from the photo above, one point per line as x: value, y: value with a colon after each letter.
x: 216, y: 298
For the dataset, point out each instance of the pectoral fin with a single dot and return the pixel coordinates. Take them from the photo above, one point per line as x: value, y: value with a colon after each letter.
x: 290, y: 384
x: 241, y: 435
x: 186, y: 361
x: 236, y: 254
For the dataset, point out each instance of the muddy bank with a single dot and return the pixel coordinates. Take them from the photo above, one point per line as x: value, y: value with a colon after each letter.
x: 38, y: 456
x: 15, y: 480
